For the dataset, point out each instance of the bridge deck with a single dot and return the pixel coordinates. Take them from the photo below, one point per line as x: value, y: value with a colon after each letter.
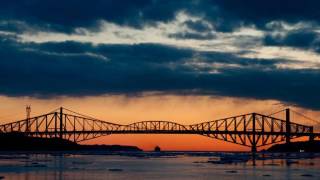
x: 252, y: 130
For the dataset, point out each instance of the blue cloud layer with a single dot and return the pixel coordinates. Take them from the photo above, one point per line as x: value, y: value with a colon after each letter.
x: 78, y: 69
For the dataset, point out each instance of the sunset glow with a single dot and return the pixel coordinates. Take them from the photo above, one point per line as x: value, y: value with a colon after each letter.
x: 185, y: 110
x: 181, y: 61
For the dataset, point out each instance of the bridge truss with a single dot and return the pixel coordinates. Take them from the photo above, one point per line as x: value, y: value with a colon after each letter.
x: 251, y: 130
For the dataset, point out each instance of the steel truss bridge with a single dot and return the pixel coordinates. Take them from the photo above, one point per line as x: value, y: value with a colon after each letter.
x: 251, y: 130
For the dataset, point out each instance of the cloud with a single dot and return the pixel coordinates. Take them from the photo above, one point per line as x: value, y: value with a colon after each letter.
x: 223, y: 15
x: 302, y: 38
x: 66, y: 15
x: 197, y: 36
x: 260, y: 13
x: 209, y: 47
x: 82, y: 69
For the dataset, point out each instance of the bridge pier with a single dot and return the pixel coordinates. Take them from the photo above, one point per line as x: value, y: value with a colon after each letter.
x: 253, y: 148
x: 288, y: 127
x: 311, y: 136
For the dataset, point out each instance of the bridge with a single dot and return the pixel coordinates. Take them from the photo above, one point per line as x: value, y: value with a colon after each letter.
x: 252, y: 130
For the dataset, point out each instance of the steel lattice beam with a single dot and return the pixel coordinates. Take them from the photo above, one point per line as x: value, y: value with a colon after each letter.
x: 251, y: 130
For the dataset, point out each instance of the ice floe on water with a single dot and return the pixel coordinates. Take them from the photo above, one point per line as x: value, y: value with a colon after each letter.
x: 159, y: 165
x: 115, y: 169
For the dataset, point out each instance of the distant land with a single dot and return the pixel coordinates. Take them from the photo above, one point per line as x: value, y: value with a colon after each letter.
x: 20, y: 142
x: 300, y: 146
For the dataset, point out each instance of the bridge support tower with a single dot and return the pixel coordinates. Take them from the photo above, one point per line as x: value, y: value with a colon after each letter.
x: 311, y: 137
x: 61, y: 123
x: 254, y: 143
x: 288, y: 127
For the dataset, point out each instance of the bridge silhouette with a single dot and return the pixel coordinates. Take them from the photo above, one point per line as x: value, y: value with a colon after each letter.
x: 251, y: 130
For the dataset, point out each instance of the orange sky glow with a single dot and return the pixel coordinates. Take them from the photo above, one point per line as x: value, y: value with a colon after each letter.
x: 125, y: 110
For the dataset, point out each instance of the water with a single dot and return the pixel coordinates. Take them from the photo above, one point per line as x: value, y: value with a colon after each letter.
x: 152, y: 166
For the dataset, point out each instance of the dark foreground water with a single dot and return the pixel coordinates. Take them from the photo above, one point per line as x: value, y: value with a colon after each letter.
x: 159, y: 166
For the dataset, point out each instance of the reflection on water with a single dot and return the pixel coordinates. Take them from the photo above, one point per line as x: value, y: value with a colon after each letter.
x: 159, y: 166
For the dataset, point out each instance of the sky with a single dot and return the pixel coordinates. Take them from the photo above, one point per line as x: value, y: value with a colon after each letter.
x: 184, y: 61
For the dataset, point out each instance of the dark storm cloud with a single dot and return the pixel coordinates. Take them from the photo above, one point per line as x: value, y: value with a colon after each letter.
x: 66, y: 15
x: 262, y: 12
x: 304, y: 39
x: 190, y: 35
x: 80, y: 69
x: 155, y: 53
x: 198, y: 26
x: 225, y: 15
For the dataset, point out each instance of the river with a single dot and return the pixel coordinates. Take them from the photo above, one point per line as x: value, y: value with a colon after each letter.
x: 173, y: 165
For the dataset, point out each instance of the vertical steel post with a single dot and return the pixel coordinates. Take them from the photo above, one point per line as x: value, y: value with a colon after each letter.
x: 28, y: 110
x: 244, y: 124
x: 311, y: 136
x: 254, y: 143
x: 288, y: 128
x: 55, y: 124
x: 61, y: 122
x: 262, y: 129
x: 37, y: 125
x: 27, y: 125
x: 74, y: 129
x: 225, y: 125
